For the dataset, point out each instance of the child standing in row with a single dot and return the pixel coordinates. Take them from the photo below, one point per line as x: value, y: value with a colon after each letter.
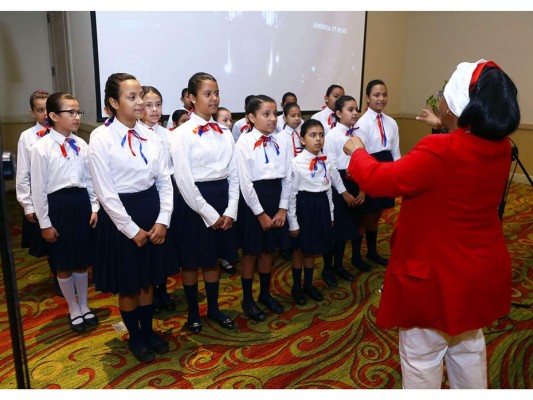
x: 153, y: 109
x: 243, y: 125
x: 264, y: 179
x: 203, y: 154
x: 327, y: 115
x: 287, y: 98
x: 179, y: 117
x: 131, y: 180
x: 65, y: 204
x: 292, y: 117
x: 346, y: 204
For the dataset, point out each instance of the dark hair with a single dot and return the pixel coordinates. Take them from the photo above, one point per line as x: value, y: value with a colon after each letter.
x: 247, y: 100
x: 196, y: 81
x: 341, y: 101
x: 373, y: 83
x: 38, y: 94
x: 332, y: 88
x: 54, y: 103
x: 308, y: 125
x: 176, y: 115
x: 255, y: 103
x: 183, y: 92
x: 288, y: 106
x: 288, y: 94
x: 218, y: 112
x: 112, y: 88
x: 151, y: 89
x: 493, y: 111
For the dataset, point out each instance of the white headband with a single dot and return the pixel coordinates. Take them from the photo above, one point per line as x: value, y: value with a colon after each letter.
x: 456, y: 91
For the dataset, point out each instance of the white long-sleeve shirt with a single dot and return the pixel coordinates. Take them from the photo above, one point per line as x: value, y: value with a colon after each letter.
x: 252, y: 165
x: 52, y: 171
x: 23, y: 182
x: 237, y: 129
x: 334, y: 143
x: 292, y: 136
x: 327, y: 117
x: 203, y: 158
x: 164, y: 135
x: 114, y: 170
x: 370, y: 135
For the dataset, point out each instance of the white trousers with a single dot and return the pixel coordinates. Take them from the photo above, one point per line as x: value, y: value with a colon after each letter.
x: 422, y: 352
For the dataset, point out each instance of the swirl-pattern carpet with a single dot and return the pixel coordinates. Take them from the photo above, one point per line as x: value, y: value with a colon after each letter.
x: 331, y: 344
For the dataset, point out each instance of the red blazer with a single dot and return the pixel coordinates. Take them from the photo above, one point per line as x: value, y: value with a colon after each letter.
x: 449, y: 269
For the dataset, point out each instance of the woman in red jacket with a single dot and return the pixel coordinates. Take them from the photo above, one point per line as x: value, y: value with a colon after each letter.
x: 450, y: 272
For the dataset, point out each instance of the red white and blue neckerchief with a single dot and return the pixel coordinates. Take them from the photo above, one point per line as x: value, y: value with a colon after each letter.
x: 382, y: 130
x: 72, y: 143
x: 109, y: 121
x: 200, y: 129
x: 295, y: 149
x: 351, y: 132
x: 313, y: 166
x: 246, y: 128
x: 332, y: 120
x: 131, y: 132
x: 264, y: 140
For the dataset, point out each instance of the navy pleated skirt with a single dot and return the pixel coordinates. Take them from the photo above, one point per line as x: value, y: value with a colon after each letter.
x: 253, y: 239
x: 69, y: 210
x: 201, y: 246
x: 122, y: 267
x: 173, y: 231
x: 374, y: 204
x: 314, y: 218
x: 346, y: 226
x: 32, y: 239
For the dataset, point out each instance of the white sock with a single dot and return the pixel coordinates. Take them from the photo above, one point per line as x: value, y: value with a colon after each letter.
x: 81, y: 282
x: 69, y: 292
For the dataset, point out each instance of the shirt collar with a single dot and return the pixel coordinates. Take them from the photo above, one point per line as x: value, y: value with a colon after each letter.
x: 373, y: 114
x: 58, y: 137
x: 307, y: 154
x: 257, y: 134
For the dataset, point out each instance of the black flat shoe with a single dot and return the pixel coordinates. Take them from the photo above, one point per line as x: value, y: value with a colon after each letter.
x: 329, y: 278
x: 140, y: 351
x: 272, y: 304
x: 253, y: 312
x: 194, y: 327
x: 78, y: 328
x: 314, y: 293
x: 228, y: 268
x: 157, y: 344
x: 226, y: 323
x: 377, y: 259
x: 361, y: 265
x: 298, y: 296
x: 344, y: 274
x: 90, y: 319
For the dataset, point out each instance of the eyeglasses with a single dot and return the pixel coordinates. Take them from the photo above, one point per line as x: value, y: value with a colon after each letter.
x: 72, y: 113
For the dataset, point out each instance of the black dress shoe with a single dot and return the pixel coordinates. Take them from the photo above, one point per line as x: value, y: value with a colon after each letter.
x: 140, y: 351
x: 377, y: 259
x: 298, y: 296
x: 228, y: 268
x: 194, y: 326
x: 253, y: 312
x: 314, y: 293
x: 157, y: 344
x: 361, y: 265
x: 344, y: 274
x: 329, y: 278
x: 226, y: 323
x: 90, y: 319
x: 272, y: 304
x: 78, y: 328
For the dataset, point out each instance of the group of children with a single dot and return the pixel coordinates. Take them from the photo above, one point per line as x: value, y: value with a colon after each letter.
x: 149, y: 201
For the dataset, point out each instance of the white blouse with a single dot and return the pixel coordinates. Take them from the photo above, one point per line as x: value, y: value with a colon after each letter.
x: 334, y: 143
x: 22, y: 184
x: 327, y: 117
x: 293, y: 138
x: 117, y: 167
x: 370, y: 134
x: 55, y: 165
x: 257, y: 162
x: 205, y: 157
x: 164, y: 135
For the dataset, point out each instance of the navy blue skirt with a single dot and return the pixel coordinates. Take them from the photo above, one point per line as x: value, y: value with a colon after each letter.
x: 173, y: 231
x: 69, y: 210
x: 346, y: 226
x: 374, y: 204
x: 32, y: 239
x: 201, y: 246
x: 253, y: 239
x: 314, y: 218
x: 122, y: 267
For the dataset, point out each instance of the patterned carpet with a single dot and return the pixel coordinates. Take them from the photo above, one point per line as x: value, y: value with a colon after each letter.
x: 331, y: 344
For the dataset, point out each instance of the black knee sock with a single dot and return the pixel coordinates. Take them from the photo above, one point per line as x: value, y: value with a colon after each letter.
x: 328, y: 262
x: 371, y: 240
x: 308, y: 277
x: 339, y: 247
x: 356, y: 249
x: 191, y: 294
x: 247, y: 292
x: 211, y: 291
x: 146, y: 315
x: 264, y: 285
x: 296, y: 278
x: 131, y: 320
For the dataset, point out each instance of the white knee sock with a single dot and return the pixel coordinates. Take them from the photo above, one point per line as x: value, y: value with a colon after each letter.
x: 81, y: 283
x: 69, y: 292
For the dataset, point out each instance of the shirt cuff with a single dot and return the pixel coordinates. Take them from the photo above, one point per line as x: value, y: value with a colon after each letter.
x: 131, y: 230
x: 163, y: 218
x: 95, y: 208
x: 29, y: 210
